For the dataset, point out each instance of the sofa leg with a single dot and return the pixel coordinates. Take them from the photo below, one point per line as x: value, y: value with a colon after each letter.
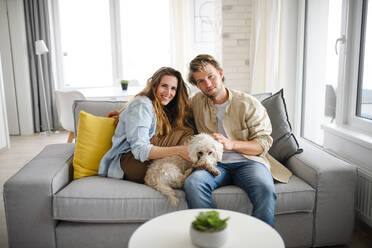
x: 70, y: 137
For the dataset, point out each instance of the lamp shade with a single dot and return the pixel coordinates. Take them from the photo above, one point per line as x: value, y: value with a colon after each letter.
x: 40, y: 47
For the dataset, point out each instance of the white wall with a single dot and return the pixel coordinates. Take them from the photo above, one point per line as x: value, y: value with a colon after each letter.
x: 4, y: 135
x: 17, y: 85
x: 237, y: 30
x: 7, y: 66
x: 236, y: 33
x: 288, y: 58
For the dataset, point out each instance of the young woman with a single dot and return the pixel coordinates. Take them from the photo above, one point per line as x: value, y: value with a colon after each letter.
x: 153, y: 125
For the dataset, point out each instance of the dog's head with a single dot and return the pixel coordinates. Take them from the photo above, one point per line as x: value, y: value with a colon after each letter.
x: 204, y: 149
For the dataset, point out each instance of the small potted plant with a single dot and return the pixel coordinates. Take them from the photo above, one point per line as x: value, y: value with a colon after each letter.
x: 209, y: 230
x: 124, y: 84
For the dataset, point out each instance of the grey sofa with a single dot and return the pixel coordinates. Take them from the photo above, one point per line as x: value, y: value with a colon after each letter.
x: 46, y: 208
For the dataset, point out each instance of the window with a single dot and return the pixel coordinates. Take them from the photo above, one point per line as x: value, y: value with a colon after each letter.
x: 323, y: 47
x: 145, y: 37
x: 337, y: 84
x: 85, y: 43
x: 100, y: 42
x: 364, y: 98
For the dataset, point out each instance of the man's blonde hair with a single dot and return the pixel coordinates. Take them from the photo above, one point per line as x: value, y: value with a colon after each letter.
x: 199, y: 63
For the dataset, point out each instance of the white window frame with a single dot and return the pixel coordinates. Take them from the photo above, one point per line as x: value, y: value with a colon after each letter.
x: 349, y: 137
x: 117, y: 70
x: 352, y: 70
x: 347, y: 87
x: 343, y: 97
x: 298, y: 112
x: 116, y: 42
x: 348, y: 70
x: 182, y: 42
x: 342, y: 87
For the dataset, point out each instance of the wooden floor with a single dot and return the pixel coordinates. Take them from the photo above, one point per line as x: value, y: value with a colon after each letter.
x: 24, y: 148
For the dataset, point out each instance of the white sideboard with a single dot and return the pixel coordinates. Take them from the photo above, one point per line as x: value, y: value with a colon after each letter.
x: 111, y: 93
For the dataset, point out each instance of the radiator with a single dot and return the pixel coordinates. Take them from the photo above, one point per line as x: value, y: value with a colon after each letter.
x: 363, y: 203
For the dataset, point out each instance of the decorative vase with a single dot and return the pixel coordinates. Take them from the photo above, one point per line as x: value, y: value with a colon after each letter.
x: 124, y: 84
x: 208, y: 239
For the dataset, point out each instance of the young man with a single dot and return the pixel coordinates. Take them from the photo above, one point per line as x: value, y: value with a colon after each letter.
x: 242, y: 125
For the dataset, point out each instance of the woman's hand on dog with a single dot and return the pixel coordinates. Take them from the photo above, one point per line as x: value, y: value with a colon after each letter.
x: 183, y: 152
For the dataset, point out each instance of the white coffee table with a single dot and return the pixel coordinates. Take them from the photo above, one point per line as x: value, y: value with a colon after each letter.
x: 172, y: 230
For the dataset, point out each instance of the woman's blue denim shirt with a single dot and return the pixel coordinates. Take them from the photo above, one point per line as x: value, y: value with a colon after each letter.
x: 136, y: 126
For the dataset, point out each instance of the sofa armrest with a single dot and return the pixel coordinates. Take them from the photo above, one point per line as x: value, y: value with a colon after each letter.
x: 334, y: 181
x: 28, y: 197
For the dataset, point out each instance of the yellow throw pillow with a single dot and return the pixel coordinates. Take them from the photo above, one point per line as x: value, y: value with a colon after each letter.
x: 92, y: 142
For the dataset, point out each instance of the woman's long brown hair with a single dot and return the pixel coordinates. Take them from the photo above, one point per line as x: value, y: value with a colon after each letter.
x: 176, y: 113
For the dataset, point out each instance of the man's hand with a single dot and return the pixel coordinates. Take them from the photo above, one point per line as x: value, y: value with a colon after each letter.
x: 114, y: 114
x: 249, y: 147
x: 228, y: 144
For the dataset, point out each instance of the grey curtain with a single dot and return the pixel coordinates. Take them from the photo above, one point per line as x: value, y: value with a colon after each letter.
x: 38, y: 28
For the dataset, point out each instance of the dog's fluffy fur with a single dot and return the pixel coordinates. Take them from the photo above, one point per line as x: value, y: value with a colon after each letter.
x: 167, y: 173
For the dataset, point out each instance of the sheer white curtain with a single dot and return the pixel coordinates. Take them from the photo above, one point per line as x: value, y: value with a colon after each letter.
x: 267, y: 27
x: 180, y: 26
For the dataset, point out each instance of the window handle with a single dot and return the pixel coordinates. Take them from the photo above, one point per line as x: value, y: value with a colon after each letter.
x: 342, y: 39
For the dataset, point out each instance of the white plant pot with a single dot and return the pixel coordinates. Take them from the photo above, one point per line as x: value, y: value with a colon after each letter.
x: 208, y: 239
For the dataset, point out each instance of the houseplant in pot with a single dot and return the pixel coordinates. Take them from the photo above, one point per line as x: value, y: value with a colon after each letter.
x: 124, y: 84
x: 208, y: 230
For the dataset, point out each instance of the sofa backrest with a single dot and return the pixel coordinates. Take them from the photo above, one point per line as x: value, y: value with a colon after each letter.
x: 262, y: 96
x: 101, y: 108
x: 97, y: 108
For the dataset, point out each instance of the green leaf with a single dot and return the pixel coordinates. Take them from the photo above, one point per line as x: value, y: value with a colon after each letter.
x: 209, y: 222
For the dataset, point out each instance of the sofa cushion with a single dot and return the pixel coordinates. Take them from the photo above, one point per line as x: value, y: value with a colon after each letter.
x: 292, y: 197
x: 92, y: 142
x: 285, y: 144
x: 101, y: 200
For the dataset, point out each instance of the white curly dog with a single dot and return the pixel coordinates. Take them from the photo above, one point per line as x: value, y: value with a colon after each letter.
x: 169, y: 173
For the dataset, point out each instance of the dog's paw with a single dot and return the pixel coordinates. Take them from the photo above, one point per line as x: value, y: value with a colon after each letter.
x: 216, y: 172
x: 188, y: 172
x: 174, y: 201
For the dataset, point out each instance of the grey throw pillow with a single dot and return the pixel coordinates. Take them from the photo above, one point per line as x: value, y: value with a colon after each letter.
x: 285, y: 144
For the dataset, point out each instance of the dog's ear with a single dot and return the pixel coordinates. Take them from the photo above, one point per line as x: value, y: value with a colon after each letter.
x: 192, y: 149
